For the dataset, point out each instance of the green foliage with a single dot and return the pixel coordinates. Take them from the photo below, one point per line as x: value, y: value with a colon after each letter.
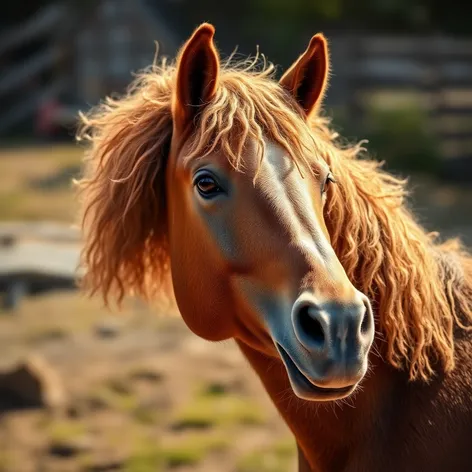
x: 399, y: 136
x: 146, y: 416
x: 63, y: 431
x: 208, y: 410
x: 147, y: 458
x: 192, y: 450
x: 277, y: 458
x: 110, y: 397
x: 298, y: 15
x: 150, y: 456
x: 402, y: 138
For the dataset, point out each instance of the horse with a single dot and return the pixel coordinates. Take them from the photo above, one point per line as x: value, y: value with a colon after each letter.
x: 229, y: 191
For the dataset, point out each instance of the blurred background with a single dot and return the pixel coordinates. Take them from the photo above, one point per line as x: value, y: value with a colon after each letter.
x: 87, y: 389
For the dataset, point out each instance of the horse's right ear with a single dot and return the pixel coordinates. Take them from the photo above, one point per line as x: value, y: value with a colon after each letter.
x: 198, y: 68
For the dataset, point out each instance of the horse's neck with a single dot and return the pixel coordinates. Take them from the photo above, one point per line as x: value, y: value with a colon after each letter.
x: 328, y: 434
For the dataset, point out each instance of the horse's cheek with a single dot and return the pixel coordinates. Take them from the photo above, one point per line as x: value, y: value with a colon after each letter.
x: 203, y: 304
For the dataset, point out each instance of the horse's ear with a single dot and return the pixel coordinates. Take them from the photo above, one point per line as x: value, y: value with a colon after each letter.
x: 198, y: 68
x: 307, y: 78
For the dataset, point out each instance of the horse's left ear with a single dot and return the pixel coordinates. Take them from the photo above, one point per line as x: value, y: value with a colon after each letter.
x: 307, y: 78
x: 198, y: 68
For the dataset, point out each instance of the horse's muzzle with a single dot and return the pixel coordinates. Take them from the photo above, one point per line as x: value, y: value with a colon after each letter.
x: 329, y: 355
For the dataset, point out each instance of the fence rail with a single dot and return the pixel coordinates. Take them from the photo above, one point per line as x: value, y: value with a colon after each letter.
x: 435, y: 71
x: 21, y: 69
x: 38, y: 25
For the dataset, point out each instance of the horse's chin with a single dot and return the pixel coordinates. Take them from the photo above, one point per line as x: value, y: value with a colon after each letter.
x: 305, y: 389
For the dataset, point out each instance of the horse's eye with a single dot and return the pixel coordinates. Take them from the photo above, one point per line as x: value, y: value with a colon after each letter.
x: 207, y: 186
x: 329, y: 180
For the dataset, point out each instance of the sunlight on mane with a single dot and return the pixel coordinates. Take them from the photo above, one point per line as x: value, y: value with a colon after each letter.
x: 413, y: 282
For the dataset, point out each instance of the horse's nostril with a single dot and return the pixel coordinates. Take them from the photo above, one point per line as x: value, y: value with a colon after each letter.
x: 311, y: 326
x: 365, y: 325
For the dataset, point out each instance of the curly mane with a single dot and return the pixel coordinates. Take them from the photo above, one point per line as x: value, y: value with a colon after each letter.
x: 421, y: 290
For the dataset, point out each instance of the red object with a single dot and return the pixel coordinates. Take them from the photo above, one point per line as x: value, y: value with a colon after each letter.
x: 46, y: 124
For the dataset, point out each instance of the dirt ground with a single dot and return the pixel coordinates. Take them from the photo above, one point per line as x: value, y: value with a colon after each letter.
x: 141, y: 394
x: 138, y: 392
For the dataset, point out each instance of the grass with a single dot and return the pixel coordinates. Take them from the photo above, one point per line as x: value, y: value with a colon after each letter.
x: 59, y: 316
x: 213, y: 389
x: 36, y: 183
x: 118, y: 395
x: 120, y: 386
x: 146, y: 416
x: 141, y: 373
x: 192, y: 449
x: 125, y: 402
x: 41, y: 334
x: 63, y: 431
x: 285, y: 448
x: 146, y: 459
x: 217, y: 409
x: 6, y: 462
x: 149, y: 456
x: 277, y: 458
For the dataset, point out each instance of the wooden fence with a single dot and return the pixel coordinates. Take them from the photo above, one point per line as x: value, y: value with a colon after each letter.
x: 433, y: 72
x: 21, y: 73
x: 36, y: 258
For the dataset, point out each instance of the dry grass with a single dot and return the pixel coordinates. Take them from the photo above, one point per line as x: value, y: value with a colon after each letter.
x: 52, y: 317
x: 36, y: 182
x: 151, y: 418
x: 191, y: 450
x: 275, y: 458
x: 218, y: 410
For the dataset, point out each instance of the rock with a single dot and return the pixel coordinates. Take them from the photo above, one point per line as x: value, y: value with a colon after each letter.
x: 96, y: 403
x: 147, y: 374
x: 71, y: 447
x: 32, y: 384
x: 108, y: 328
x: 7, y: 240
x: 74, y: 411
x: 225, y: 384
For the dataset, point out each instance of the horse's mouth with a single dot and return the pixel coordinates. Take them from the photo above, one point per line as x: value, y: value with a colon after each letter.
x: 305, y: 388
